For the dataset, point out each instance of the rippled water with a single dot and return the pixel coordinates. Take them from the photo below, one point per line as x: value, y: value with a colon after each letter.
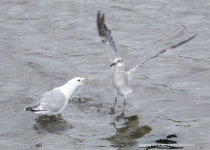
x: 45, y: 43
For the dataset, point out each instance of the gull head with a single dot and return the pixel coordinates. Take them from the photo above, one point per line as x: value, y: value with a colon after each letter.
x: 117, y: 61
x: 79, y: 81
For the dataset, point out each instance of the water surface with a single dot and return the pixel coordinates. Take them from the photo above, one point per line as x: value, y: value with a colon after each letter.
x: 45, y: 43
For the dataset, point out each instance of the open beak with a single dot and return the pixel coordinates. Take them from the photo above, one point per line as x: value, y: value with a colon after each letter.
x: 112, y: 64
x: 84, y: 79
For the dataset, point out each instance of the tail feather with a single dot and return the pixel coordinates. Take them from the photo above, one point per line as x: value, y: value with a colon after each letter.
x: 32, y: 109
x: 28, y: 109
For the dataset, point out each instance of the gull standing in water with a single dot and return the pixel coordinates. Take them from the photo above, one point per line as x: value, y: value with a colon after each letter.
x: 54, y: 101
x: 120, y: 76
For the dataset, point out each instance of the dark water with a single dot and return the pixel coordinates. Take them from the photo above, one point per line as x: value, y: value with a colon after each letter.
x: 45, y: 43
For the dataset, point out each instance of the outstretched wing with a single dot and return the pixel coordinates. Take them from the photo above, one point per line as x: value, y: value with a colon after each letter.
x: 158, y: 53
x: 106, y: 37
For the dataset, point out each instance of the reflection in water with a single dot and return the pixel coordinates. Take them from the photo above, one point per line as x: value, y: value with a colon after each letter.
x: 51, y: 124
x: 166, y: 143
x: 125, y: 136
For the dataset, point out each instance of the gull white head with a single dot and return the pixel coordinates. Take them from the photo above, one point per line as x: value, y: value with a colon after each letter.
x: 79, y: 81
x: 117, y: 61
x: 69, y: 88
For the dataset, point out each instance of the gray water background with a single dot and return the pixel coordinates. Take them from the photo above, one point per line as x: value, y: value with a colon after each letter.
x: 45, y: 43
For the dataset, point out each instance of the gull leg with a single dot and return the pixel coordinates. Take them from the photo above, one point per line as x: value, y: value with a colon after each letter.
x: 115, y: 103
x: 112, y: 109
x: 124, y: 106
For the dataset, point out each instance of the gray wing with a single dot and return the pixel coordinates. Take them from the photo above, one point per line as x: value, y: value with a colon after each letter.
x: 158, y: 53
x: 52, y: 101
x: 106, y: 37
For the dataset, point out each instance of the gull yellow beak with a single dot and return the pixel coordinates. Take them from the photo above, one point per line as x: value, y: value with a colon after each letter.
x: 85, y: 78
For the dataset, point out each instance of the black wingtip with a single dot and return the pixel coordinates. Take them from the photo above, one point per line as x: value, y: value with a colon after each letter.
x: 28, y: 109
x: 191, y: 37
x: 31, y: 109
x: 98, y: 18
x: 100, y: 23
x: 182, y: 42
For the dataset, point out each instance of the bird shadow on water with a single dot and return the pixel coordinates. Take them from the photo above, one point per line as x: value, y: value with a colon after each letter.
x: 51, y: 124
x: 126, y: 136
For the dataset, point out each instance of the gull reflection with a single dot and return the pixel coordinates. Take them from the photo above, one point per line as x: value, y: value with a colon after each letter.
x: 51, y: 124
x: 126, y: 136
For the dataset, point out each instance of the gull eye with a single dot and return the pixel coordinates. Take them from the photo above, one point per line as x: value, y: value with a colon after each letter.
x: 79, y: 80
x: 118, y: 61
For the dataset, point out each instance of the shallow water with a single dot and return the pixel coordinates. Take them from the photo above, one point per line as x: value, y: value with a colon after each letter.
x: 44, y: 44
